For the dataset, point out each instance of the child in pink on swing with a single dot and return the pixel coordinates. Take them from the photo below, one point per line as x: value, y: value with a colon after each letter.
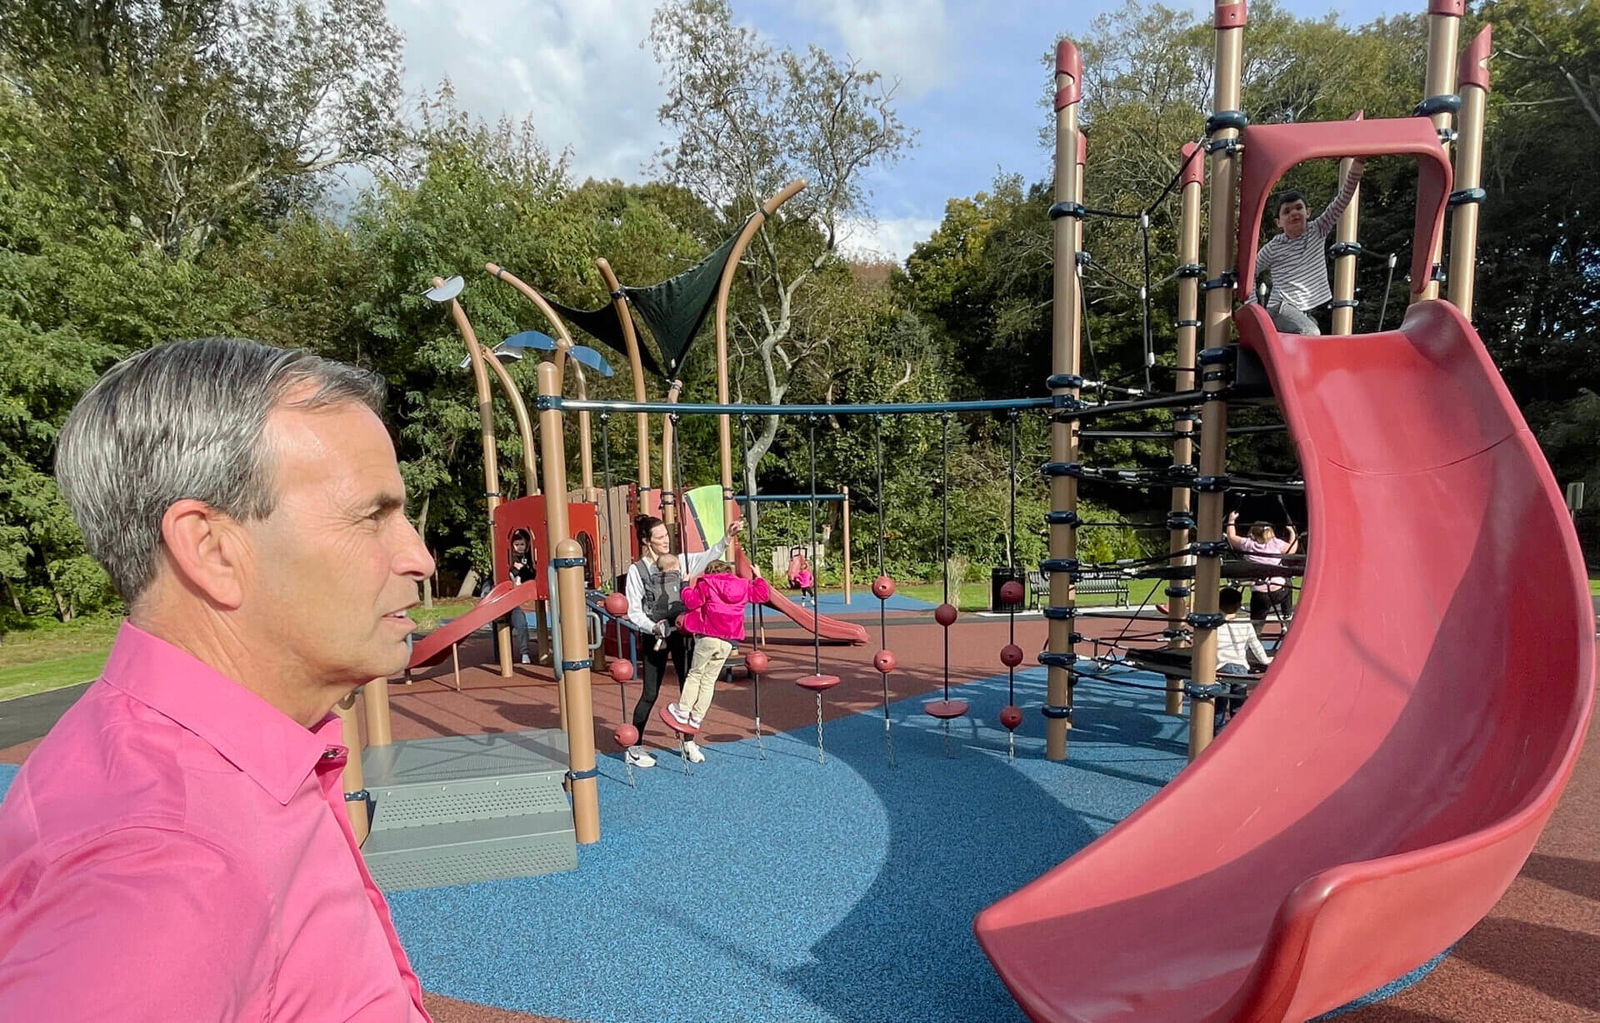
x: 800, y: 574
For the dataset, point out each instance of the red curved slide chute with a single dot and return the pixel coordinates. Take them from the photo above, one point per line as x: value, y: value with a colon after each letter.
x: 1387, y: 781
x: 831, y: 629
x: 498, y: 602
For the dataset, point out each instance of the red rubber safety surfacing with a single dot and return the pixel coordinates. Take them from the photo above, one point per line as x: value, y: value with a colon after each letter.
x: 817, y: 683
x: 673, y: 723
x: 944, y: 710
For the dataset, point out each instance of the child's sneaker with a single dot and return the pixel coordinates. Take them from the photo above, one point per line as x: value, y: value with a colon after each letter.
x: 694, y: 721
x: 637, y: 757
x: 678, y: 714
x: 691, y: 749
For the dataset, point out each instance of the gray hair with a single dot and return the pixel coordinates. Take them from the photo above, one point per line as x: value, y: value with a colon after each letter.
x: 185, y: 420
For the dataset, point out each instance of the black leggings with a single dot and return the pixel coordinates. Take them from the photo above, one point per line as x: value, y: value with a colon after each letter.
x: 1262, y: 605
x: 655, y: 665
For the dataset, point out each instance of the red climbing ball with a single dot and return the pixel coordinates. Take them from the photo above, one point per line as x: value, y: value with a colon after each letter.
x: 945, y: 614
x: 1011, y: 592
x: 626, y: 735
x: 883, y: 587
x: 756, y: 661
x: 621, y: 669
x: 884, y: 661
x: 1011, y: 655
x: 1011, y: 717
x: 616, y: 604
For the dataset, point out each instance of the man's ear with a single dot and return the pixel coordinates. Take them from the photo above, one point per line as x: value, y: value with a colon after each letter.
x: 208, y: 550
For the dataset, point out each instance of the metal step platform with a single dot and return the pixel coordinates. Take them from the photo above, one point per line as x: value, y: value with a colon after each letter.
x: 459, y: 809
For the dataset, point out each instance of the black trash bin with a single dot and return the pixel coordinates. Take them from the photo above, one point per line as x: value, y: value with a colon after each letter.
x: 998, y: 577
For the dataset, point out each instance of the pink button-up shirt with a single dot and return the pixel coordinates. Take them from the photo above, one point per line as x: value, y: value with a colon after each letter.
x: 177, y: 849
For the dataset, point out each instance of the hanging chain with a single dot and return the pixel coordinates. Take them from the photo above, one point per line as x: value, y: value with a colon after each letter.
x: 820, y: 758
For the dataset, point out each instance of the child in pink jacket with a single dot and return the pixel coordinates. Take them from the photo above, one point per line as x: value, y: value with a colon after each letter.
x: 714, y: 613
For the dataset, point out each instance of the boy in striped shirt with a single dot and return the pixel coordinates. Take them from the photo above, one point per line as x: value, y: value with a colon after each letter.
x: 1296, y: 260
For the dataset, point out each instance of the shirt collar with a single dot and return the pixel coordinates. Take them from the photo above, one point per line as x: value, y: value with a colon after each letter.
x: 256, y: 737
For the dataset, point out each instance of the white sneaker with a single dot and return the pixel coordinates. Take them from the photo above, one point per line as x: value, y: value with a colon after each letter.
x: 526, y: 659
x: 695, y: 719
x: 678, y: 714
x: 691, y: 749
x: 637, y: 757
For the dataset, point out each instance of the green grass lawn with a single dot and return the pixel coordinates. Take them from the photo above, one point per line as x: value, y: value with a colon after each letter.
x: 52, y: 655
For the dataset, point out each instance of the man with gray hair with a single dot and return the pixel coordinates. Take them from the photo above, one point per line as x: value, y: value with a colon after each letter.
x: 177, y: 847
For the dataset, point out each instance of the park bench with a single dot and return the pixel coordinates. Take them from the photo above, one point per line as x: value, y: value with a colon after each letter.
x: 1039, y: 588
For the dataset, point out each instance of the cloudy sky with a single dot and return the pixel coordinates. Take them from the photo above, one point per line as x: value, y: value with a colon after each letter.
x: 971, y: 80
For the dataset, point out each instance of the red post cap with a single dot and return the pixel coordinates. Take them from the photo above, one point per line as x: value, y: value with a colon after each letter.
x: 1194, y: 169
x: 1230, y: 14
x: 1474, y: 68
x: 1069, y: 65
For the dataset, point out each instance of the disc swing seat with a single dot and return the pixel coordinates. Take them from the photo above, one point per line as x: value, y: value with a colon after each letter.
x: 946, y: 710
x: 816, y: 682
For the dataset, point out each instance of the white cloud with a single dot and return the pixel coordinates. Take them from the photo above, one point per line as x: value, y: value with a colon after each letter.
x: 905, y: 39
x: 891, y: 239
x: 574, y: 66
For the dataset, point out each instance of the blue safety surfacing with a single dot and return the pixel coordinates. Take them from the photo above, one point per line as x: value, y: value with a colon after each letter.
x: 862, y: 602
x: 766, y: 885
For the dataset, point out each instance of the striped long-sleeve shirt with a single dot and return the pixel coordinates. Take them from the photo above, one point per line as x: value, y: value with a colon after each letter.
x: 1298, y: 266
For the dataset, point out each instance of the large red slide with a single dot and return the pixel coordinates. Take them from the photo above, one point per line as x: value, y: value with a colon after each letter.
x: 432, y: 648
x: 1388, y: 779
x: 831, y: 629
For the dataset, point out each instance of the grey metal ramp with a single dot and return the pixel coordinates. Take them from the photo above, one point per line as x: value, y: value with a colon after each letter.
x: 460, y: 809
x: 464, y: 852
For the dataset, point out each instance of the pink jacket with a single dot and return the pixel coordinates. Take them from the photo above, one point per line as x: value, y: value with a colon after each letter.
x: 716, y: 605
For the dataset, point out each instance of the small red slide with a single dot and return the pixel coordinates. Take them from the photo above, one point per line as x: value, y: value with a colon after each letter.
x: 1384, y: 785
x: 435, y: 646
x: 831, y: 629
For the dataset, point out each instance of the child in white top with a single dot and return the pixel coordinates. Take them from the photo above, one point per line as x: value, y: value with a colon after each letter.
x: 1237, y: 646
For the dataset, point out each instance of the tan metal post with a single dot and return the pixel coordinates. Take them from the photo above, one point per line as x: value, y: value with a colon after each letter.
x: 671, y: 486
x: 573, y: 614
x: 353, y: 778
x: 1344, y: 267
x: 846, y: 492
x: 1474, y: 84
x: 1193, y: 178
x: 630, y: 337
x: 730, y: 510
x: 491, y: 463
x: 1066, y: 232
x: 376, y: 703
x: 1444, y: 33
x: 1229, y: 21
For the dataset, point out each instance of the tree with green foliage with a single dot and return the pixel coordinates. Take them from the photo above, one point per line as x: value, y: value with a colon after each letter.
x: 749, y: 118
